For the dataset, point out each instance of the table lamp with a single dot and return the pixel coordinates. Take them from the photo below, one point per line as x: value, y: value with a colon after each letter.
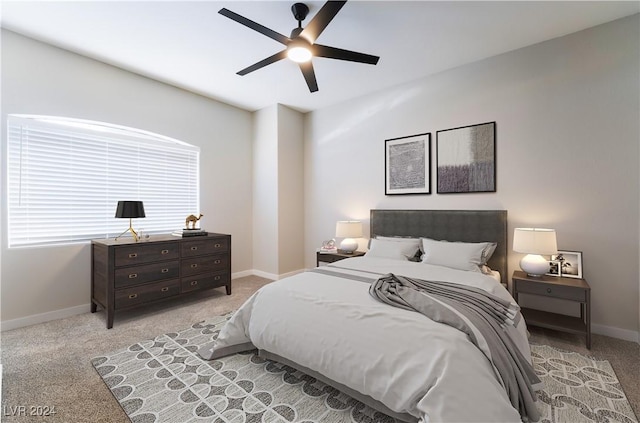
x: 130, y: 209
x: 348, y: 229
x: 534, y: 242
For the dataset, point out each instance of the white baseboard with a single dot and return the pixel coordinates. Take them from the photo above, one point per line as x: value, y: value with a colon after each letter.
x: 44, y: 317
x: 242, y: 274
x: 273, y: 276
x: 624, y: 334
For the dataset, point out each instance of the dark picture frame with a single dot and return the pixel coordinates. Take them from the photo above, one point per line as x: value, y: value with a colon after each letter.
x: 466, y: 159
x: 407, y: 165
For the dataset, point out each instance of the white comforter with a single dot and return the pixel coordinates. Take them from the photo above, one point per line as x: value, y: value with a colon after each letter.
x: 398, y: 357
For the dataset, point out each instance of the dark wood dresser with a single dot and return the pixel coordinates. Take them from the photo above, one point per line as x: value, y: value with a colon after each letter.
x: 127, y: 274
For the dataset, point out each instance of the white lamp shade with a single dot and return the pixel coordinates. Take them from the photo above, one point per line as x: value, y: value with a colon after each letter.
x: 535, y: 241
x: 349, y: 229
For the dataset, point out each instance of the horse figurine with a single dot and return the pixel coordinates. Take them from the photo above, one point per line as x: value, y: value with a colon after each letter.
x: 192, y: 219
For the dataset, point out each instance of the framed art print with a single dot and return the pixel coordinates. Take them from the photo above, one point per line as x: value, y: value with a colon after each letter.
x: 570, y: 263
x: 408, y: 165
x: 466, y: 159
x: 554, y: 268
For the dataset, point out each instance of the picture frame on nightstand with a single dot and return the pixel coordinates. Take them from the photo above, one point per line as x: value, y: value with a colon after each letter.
x: 567, y: 264
x: 554, y: 268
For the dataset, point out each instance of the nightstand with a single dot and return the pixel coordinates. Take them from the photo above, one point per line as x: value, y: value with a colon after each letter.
x: 331, y: 257
x: 570, y: 289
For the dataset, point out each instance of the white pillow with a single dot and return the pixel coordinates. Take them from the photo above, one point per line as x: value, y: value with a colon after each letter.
x: 413, y: 241
x: 391, y: 249
x: 457, y: 255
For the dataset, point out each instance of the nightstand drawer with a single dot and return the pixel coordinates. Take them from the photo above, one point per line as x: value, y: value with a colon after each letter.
x: 205, y: 264
x: 207, y: 245
x: 146, y: 253
x: 555, y: 291
x: 141, y: 294
x: 137, y: 275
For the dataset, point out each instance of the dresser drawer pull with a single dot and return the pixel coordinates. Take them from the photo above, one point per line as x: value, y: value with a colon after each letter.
x: 164, y: 270
x: 133, y: 296
x: 217, y: 278
x: 133, y: 255
x: 217, y: 261
x: 548, y: 290
x: 194, y: 265
x: 165, y: 289
x: 194, y: 283
x: 218, y: 245
x: 194, y: 248
x: 133, y: 275
x: 164, y: 252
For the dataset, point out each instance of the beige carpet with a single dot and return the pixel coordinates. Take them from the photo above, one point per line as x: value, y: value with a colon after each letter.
x: 50, y: 364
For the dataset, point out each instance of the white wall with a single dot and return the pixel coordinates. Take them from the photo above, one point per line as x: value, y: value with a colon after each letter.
x: 290, y: 190
x: 278, y: 191
x: 40, y: 79
x: 567, y: 153
x: 265, y: 191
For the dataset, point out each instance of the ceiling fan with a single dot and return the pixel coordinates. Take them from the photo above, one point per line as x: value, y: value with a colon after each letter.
x: 301, y: 45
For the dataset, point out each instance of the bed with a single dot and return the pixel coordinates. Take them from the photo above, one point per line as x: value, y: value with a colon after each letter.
x: 325, y: 323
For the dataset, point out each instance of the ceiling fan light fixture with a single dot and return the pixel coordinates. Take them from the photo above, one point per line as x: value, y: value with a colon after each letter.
x: 299, y: 54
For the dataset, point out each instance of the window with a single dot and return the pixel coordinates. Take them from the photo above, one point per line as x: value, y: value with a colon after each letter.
x: 66, y: 176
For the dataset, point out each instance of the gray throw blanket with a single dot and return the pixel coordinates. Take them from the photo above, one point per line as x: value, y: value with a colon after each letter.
x: 493, y: 317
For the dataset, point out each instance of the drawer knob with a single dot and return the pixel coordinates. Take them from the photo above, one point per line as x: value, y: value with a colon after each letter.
x: 548, y: 290
x: 133, y: 255
x: 165, y: 270
x: 194, y: 265
x: 194, y: 283
x: 217, y: 278
x: 133, y: 296
x: 133, y: 275
x: 217, y: 262
x: 165, y: 289
x: 194, y: 248
x: 218, y: 245
x: 164, y: 252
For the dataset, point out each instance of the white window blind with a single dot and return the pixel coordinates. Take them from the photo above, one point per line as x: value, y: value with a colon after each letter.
x: 65, y: 178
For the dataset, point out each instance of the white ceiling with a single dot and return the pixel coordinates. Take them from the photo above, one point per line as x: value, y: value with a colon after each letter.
x: 189, y: 45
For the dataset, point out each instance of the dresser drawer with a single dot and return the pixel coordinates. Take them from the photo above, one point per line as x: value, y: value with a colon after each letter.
x: 555, y: 291
x: 204, y: 245
x: 144, y: 293
x: 146, y: 253
x: 206, y: 281
x: 137, y: 275
x: 205, y: 264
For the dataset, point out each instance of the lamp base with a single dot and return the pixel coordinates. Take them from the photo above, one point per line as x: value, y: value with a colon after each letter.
x: 534, y: 265
x: 129, y: 229
x: 348, y: 245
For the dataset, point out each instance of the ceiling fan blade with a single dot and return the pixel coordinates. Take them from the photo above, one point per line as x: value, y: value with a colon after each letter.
x: 264, y: 62
x: 255, y: 26
x: 309, y: 75
x: 341, y: 54
x: 320, y: 21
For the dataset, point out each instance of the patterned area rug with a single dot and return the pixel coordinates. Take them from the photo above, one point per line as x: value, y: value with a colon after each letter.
x: 164, y: 380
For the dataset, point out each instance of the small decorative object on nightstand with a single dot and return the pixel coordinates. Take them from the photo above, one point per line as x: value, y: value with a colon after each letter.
x: 331, y: 257
x: 570, y: 289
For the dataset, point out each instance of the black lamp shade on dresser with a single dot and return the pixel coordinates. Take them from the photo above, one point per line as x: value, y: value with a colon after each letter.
x: 130, y: 209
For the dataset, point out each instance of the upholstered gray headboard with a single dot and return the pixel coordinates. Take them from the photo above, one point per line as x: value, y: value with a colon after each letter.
x: 450, y: 225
